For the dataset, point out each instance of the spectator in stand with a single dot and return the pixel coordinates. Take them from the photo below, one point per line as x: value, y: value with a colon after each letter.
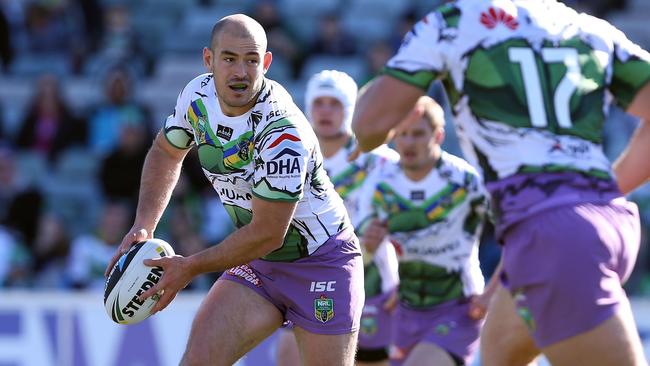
x: 50, y: 126
x: 15, y: 260
x: 9, y: 185
x: 6, y: 49
x: 332, y: 39
x: 51, y: 249
x: 50, y: 28
x: 376, y: 58
x: 118, y: 110
x: 281, y: 42
x: 120, y: 170
x: 91, y: 253
x: 120, y: 43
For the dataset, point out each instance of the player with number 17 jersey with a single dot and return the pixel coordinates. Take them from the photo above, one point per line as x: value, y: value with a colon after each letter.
x: 531, y: 83
x: 526, y: 101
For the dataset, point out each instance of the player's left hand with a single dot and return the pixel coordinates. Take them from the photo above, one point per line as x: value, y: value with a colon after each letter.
x: 478, y: 306
x: 391, y: 302
x: 175, y: 277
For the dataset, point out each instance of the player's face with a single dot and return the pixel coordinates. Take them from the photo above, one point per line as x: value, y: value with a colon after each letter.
x: 327, y: 117
x: 417, y: 145
x: 238, y: 65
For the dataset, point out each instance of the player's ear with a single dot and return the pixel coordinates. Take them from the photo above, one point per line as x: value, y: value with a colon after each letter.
x: 207, y: 58
x: 440, y: 135
x: 268, y: 57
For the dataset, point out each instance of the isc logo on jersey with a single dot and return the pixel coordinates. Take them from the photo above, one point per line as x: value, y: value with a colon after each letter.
x: 130, y: 278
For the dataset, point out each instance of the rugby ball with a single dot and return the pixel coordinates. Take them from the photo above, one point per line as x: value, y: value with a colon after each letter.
x: 129, y: 278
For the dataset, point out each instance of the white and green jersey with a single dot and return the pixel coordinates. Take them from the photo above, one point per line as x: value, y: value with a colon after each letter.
x: 349, y: 177
x: 530, y: 81
x: 270, y: 152
x: 435, y: 223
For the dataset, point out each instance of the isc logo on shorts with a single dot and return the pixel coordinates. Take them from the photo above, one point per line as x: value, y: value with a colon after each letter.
x: 322, y: 286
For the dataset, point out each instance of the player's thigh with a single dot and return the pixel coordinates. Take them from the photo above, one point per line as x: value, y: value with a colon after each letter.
x: 231, y: 320
x: 505, y: 339
x: 287, y: 350
x: 615, y: 342
x: 325, y: 349
x: 426, y: 353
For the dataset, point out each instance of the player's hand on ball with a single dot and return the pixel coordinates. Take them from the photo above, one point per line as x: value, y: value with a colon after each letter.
x: 137, y: 234
x: 175, y: 277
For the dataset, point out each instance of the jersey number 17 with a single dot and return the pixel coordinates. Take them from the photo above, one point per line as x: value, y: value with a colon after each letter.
x: 525, y: 57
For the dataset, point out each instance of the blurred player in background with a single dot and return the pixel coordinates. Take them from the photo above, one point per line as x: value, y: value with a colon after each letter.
x: 329, y: 105
x: 432, y: 205
x: 531, y: 83
x: 294, y: 255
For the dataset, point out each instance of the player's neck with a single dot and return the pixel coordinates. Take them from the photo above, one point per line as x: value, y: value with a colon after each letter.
x: 331, y: 145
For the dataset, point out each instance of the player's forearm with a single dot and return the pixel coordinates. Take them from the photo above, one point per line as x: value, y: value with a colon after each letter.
x: 380, y: 108
x: 632, y: 168
x: 369, y: 131
x: 160, y: 173
x: 240, y: 247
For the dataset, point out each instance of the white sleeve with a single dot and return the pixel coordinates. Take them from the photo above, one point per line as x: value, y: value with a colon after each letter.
x: 386, y: 260
x: 420, y: 59
x: 178, y: 129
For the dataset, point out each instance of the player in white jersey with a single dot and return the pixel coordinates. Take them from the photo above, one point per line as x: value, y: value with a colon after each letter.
x: 432, y: 206
x: 329, y: 105
x: 294, y: 256
x: 531, y: 83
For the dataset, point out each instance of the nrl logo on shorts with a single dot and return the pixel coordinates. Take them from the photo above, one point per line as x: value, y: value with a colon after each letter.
x: 324, y: 309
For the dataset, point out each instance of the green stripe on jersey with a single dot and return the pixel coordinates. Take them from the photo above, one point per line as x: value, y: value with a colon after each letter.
x: 497, y: 88
x: 265, y: 191
x: 421, y: 79
x: 629, y: 77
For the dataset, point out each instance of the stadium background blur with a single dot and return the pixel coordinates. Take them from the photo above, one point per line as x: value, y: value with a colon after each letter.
x: 85, y: 84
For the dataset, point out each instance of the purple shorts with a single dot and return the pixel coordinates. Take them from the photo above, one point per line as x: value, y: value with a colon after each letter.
x: 565, y: 266
x: 322, y: 293
x: 376, y: 323
x: 447, y: 325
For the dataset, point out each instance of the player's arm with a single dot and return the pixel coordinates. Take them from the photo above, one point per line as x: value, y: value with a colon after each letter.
x: 632, y: 168
x: 160, y: 172
x: 264, y: 234
x: 261, y: 236
x: 380, y: 108
x: 407, y: 76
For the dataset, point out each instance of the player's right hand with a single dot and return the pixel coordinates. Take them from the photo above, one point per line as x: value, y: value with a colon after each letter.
x: 374, y: 234
x: 136, y: 234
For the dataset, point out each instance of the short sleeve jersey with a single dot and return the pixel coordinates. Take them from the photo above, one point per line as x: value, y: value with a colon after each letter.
x: 435, y: 224
x: 349, y: 177
x: 530, y: 81
x: 269, y: 152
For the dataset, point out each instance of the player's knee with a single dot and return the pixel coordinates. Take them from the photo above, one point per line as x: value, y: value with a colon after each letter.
x: 506, y: 350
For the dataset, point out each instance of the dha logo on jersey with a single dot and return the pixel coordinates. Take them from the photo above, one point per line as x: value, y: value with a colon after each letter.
x: 285, y: 162
x: 279, y: 166
x: 324, y: 309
